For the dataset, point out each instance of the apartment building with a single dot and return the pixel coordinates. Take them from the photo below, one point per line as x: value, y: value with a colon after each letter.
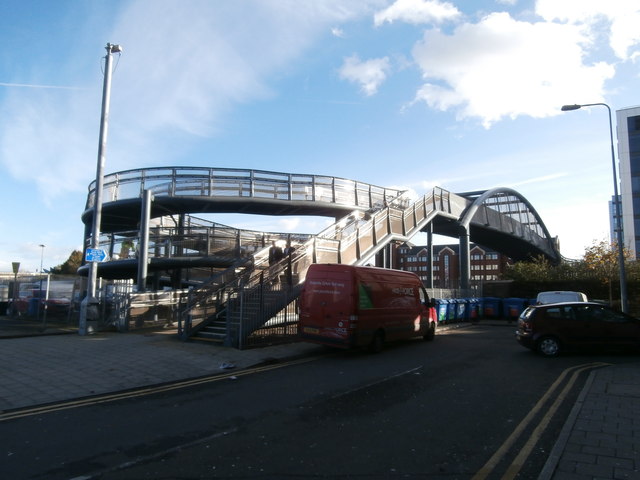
x: 486, y: 264
x: 628, y: 125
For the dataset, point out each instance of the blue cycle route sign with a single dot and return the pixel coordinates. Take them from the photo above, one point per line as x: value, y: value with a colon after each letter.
x: 95, y: 255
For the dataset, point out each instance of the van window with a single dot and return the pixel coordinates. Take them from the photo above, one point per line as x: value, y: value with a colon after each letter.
x: 560, y: 296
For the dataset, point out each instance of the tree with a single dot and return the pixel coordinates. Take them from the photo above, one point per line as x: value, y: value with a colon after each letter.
x: 540, y: 269
x: 596, y: 273
x: 601, y: 258
x: 70, y: 267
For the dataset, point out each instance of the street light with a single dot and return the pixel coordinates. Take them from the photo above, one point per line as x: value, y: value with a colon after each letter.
x: 89, y: 305
x: 620, y: 240
x: 40, y: 290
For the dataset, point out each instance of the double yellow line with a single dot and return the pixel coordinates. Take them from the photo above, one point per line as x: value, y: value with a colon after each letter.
x: 140, y: 392
x: 524, y: 453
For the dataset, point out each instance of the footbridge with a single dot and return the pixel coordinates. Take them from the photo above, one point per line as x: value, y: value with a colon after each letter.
x: 150, y: 231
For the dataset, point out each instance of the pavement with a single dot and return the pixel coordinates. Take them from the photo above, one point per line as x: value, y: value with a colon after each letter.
x: 47, y: 362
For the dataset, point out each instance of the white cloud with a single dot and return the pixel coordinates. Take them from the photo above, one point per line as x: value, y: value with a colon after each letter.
x: 623, y: 16
x: 184, y: 67
x: 542, y: 179
x: 337, y: 32
x: 369, y: 74
x: 501, y: 67
x: 417, y: 12
x: 227, y: 57
x: 42, y: 139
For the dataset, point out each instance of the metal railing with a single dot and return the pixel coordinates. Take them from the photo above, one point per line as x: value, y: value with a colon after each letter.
x: 231, y: 182
x: 354, y: 239
x: 196, y: 238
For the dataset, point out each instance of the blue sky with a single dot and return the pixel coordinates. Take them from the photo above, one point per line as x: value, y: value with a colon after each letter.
x: 464, y: 95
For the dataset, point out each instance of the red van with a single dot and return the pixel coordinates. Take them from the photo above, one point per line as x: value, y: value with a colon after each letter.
x: 348, y: 306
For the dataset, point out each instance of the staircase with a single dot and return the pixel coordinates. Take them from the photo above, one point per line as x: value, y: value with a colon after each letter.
x: 229, y: 310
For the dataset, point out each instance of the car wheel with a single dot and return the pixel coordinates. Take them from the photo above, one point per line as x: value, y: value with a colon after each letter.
x: 376, y: 342
x: 548, y: 346
x: 431, y: 333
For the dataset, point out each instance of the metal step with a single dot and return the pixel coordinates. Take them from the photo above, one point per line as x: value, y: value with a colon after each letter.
x: 215, y: 332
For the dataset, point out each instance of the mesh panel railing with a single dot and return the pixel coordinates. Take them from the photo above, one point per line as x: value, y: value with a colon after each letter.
x: 227, y: 182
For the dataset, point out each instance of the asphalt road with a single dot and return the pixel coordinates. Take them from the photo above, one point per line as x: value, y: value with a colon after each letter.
x: 454, y: 408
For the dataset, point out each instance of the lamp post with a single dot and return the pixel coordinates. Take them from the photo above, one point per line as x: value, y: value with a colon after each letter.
x: 40, y: 289
x: 620, y: 239
x: 89, y: 305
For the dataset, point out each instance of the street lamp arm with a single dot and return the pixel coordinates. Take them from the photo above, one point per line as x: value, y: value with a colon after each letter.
x: 568, y: 108
x: 616, y: 200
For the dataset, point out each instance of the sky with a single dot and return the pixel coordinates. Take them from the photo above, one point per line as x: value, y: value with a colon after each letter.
x: 412, y: 94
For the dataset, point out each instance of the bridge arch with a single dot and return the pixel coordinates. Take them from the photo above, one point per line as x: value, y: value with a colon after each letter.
x: 505, y: 220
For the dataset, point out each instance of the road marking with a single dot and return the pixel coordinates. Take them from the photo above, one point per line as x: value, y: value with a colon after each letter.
x: 155, y: 456
x: 518, y: 462
x: 143, y: 391
x: 376, y: 382
x: 508, y: 443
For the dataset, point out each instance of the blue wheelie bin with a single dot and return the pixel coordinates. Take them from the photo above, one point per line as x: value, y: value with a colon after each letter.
x: 451, y: 309
x: 491, y: 307
x: 461, y: 309
x: 512, y: 308
x: 441, y: 309
x: 473, y: 309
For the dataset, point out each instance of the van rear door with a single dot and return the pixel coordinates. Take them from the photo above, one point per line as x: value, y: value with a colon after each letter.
x: 327, y: 303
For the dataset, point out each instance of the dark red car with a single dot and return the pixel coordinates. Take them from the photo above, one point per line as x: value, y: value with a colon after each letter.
x: 551, y: 329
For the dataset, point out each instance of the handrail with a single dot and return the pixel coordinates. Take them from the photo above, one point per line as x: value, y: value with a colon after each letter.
x: 235, y: 182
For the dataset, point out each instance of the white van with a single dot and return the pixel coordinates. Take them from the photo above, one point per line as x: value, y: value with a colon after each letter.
x: 560, y: 296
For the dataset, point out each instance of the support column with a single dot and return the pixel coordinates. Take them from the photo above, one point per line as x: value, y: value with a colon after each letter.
x: 430, y: 247
x: 465, y: 260
x: 143, y: 244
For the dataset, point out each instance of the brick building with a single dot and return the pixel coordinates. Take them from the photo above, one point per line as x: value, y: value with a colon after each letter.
x: 486, y: 264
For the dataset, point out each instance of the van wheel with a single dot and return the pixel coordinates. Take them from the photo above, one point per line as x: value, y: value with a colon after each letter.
x: 376, y: 342
x: 548, y: 346
x: 431, y: 333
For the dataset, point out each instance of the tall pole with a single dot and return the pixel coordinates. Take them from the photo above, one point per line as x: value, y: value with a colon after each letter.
x: 40, y: 297
x: 89, y: 307
x: 617, y: 201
